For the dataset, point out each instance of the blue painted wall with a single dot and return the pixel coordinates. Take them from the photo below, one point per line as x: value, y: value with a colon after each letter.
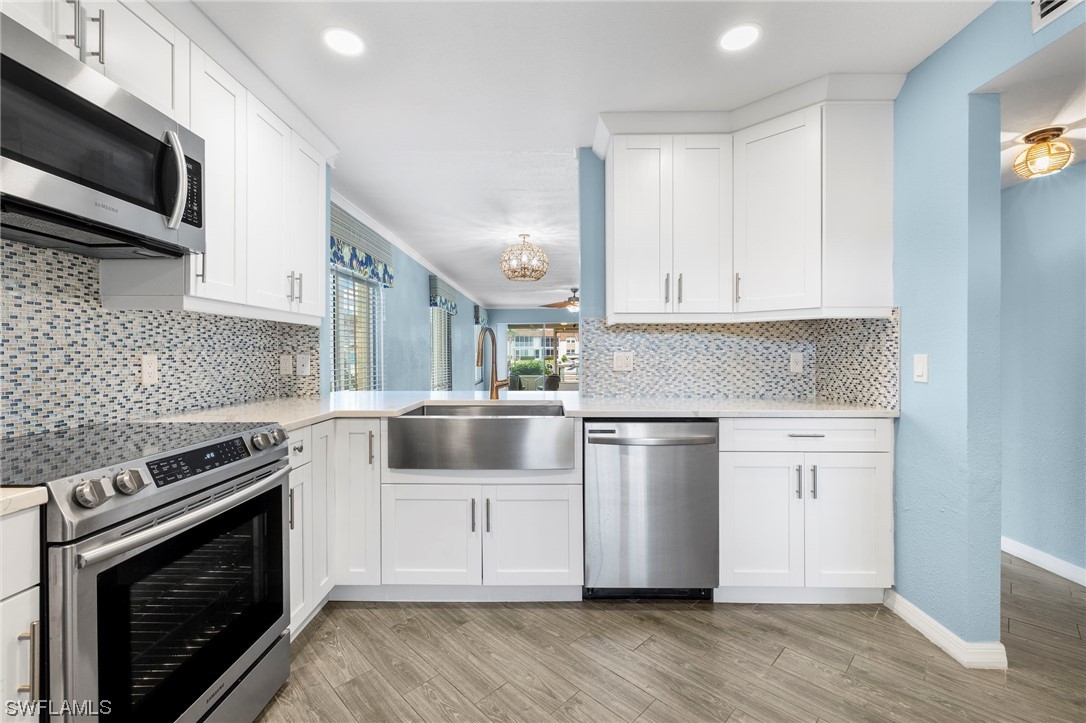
x: 591, y: 189
x: 946, y: 281
x: 1044, y: 364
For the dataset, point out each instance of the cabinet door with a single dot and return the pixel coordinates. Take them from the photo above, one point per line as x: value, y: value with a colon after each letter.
x: 218, y: 116
x: 641, y: 257
x: 778, y: 213
x: 323, y: 507
x: 17, y: 613
x: 761, y: 519
x: 358, y: 502
x: 268, y: 166
x: 431, y: 535
x: 307, y: 246
x: 703, y: 223
x: 49, y: 19
x: 533, y: 535
x: 849, y: 519
x: 300, y: 533
x: 133, y: 45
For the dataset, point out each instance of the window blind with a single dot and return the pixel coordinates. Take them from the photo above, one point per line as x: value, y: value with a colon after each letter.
x: 357, y: 317
x: 440, y: 350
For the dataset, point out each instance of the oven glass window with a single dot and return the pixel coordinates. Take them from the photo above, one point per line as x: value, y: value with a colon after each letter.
x: 49, y: 128
x: 174, y: 618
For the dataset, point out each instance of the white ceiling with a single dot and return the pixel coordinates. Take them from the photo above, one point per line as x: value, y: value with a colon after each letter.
x: 458, y: 125
x: 1047, y: 89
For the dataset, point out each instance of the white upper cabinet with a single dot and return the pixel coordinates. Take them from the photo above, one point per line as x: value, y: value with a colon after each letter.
x: 306, y: 255
x: 219, y: 117
x: 133, y: 45
x: 268, y: 160
x: 778, y: 213
x: 669, y: 246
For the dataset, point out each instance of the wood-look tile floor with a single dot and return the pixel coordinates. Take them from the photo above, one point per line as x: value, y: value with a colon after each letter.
x: 655, y: 662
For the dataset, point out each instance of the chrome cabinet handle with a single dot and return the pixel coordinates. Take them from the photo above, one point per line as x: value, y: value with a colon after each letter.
x: 667, y: 289
x: 799, y: 481
x: 34, y: 687
x: 473, y: 514
x: 371, y: 446
x: 202, y: 275
x: 814, y: 481
x: 290, y: 278
x: 807, y: 436
x: 737, y: 287
x: 680, y: 294
x: 101, y: 52
x: 75, y: 36
x: 174, y: 221
x: 299, y: 287
x: 488, y: 514
x: 290, y: 517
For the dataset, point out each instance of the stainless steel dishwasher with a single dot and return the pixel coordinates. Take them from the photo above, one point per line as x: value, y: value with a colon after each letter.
x: 651, y: 507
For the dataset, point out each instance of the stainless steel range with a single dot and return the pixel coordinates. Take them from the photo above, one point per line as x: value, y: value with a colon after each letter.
x: 167, y: 568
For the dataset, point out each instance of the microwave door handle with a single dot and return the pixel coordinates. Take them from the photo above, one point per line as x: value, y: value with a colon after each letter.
x: 174, y: 221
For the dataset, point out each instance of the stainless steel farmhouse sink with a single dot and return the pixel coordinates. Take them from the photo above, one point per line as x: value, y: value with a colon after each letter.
x: 484, y: 436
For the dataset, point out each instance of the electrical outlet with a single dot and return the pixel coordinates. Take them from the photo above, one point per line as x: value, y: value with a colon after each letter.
x: 303, y: 365
x: 795, y: 362
x: 286, y: 364
x: 623, y: 361
x: 920, y: 368
x: 149, y: 369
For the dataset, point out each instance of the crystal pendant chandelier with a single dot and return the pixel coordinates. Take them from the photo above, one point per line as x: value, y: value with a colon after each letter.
x: 523, y: 261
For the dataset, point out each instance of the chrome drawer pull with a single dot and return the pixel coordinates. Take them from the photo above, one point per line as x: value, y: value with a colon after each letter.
x: 811, y: 436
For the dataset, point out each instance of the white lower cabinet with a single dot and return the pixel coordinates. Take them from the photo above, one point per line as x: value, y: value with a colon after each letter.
x: 806, y: 519
x: 299, y: 523
x: 450, y: 534
x: 18, y: 614
x: 322, y: 507
x: 357, y: 512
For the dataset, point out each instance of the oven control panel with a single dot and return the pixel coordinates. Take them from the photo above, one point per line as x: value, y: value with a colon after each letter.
x: 175, y: 468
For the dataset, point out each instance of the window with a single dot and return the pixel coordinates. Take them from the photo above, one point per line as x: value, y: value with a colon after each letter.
x: 440, y: 350
x: 356, y: 324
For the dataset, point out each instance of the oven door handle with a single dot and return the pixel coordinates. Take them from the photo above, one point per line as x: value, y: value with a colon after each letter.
x: 139, y: 539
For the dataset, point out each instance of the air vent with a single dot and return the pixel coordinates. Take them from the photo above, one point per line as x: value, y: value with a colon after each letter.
x: 1045, y: 11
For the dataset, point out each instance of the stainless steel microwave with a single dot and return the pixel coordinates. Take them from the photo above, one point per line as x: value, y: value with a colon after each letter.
x: 86, y: 166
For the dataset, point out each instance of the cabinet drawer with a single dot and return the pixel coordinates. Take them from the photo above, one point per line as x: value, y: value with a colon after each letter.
x: 20, y: 541
x: 300, y: 443
x: 806, y: 435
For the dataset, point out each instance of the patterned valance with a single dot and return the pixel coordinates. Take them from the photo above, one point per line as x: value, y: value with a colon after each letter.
x: 442, y: 295
x: 358, y: 248
x: 480, y: 316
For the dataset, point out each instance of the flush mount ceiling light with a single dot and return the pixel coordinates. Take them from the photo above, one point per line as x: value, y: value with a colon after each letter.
x: 1048, y: 153
x: 740, y: 37
x: 523, y: 261
x: 343, y: 41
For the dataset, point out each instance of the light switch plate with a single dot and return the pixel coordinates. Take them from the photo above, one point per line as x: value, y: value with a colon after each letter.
x: 303, y: 365
x: 623, y: 361
x: 920, y: 368
x: 286, y: 364
x: 149, y: 369
x: 795, y: 362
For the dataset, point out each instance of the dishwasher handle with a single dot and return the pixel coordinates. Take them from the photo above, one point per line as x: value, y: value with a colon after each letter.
x: 653, y: 441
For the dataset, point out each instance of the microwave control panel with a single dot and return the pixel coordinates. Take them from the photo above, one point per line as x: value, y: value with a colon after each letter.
x: 179, y: 467
x: 194, y: 204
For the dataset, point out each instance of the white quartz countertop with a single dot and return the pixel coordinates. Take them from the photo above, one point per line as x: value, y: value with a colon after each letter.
x: 16, y: 499
x: 296, y: 412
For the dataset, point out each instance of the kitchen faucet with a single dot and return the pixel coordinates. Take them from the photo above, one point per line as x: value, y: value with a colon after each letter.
x: 495, y: 383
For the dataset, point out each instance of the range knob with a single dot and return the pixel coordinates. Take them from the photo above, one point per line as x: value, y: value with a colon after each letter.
x: 129, y: 481
x: 261, y: 440
x: 279, y: 435
x: 93, y: 492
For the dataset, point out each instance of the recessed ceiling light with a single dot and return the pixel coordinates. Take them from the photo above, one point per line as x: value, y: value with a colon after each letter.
x: 741, y: 36
x: 343, y: 41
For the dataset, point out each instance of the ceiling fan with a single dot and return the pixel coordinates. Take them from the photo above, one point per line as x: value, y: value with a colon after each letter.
x: 573, y: 303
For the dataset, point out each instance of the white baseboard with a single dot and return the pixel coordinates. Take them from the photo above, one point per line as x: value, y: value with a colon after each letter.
x: 971, y: 655
x: 455, y: 593
x: 1043, y: 560
x: 799, y: 595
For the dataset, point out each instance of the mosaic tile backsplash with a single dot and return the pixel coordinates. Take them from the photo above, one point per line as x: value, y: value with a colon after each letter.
x: 66, y: 361
x: 847, y: 361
